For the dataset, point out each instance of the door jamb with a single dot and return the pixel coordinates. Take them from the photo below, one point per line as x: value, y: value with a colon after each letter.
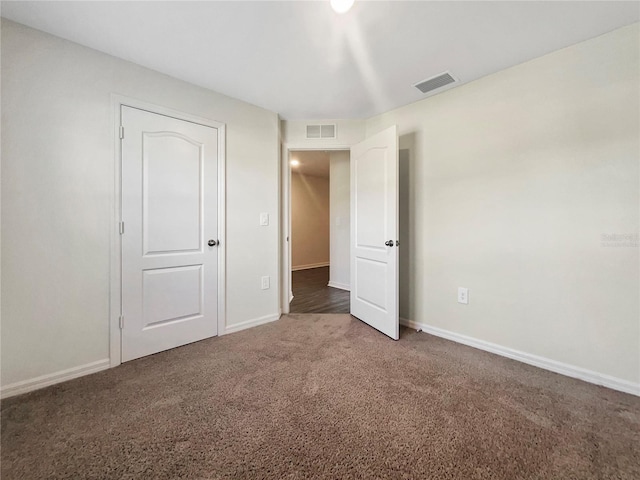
x: 286, y: 294
x: 115, y: 276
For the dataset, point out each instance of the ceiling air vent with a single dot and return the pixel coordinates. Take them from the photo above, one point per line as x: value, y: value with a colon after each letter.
x: 433, y: 83
x: 321, y: 131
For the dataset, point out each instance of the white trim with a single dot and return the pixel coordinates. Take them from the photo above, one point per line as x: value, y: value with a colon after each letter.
x: 285, y: 191
x: 115, y: 294
x: 311, y: 146
x: 530, y: 359
x: 115, y: 274
x: 222, y: 229
x: 285, y: 229
x: 252, y: 323
x: 52, y: 378
x: 309, y: 266
x: 282, y: 240
x: 341, y: 286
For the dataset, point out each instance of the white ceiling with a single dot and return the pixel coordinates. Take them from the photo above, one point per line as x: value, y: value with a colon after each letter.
x: 314, y: 163
x: 302, y: 60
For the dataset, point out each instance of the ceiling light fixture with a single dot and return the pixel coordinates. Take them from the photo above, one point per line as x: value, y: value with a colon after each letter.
x: 341, y: 6
x: 295, y: 163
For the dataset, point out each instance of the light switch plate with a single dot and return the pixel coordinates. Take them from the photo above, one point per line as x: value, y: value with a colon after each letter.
x: 264, y: 219
x: 265, y: 283
x: 463, y: 295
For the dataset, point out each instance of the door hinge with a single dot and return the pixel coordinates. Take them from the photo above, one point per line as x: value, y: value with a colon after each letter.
x: 121, y: 228
x: 121, y: 322
x: 121, y: 132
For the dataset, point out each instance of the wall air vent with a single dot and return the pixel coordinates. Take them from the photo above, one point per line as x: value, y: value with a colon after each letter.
x: 321, y: 131
x: 434, y: 83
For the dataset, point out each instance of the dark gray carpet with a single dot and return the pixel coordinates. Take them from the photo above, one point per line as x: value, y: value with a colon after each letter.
x: 322, y: 396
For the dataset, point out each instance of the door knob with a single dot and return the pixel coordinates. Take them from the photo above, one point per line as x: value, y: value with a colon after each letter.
x: 212, y: 243
x: 389, y: 243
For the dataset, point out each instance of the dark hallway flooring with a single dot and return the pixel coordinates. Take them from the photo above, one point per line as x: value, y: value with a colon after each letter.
x: 312, y: 295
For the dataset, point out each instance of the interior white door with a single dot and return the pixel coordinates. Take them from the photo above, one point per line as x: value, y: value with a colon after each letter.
x: 169, y: 211
x: 374, y: 232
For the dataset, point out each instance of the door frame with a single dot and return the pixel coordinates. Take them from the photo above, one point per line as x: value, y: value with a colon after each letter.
x: 286, y: 294
x: 115, y: 286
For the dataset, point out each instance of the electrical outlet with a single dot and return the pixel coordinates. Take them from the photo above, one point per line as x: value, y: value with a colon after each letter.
x: 265, y: 283
x: 463, y: 295
x: 264, y: 219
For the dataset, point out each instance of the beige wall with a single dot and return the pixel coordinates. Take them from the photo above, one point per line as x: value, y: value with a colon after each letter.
x: 513, y: 181
x: 309, y: 221
x: 58, y: 197
x: 340, y: 213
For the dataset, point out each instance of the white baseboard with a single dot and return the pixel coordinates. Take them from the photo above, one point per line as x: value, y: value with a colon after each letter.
x: 310, y: 266
x: 52, y: 378
x: 341, y: 286
x: 540, y: 362
x: 252, y: 323
x: 36, y: 383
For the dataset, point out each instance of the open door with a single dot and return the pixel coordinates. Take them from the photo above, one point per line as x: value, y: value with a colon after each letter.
x: 374, y: 232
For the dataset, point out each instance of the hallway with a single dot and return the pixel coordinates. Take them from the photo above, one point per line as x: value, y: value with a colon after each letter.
x: 312, y: 295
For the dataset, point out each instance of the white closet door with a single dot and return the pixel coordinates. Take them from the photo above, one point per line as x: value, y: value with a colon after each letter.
x: 169, y: 211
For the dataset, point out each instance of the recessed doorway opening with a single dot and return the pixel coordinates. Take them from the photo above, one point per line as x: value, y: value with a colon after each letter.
x: 373, y: 219
x: 320, y: 231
